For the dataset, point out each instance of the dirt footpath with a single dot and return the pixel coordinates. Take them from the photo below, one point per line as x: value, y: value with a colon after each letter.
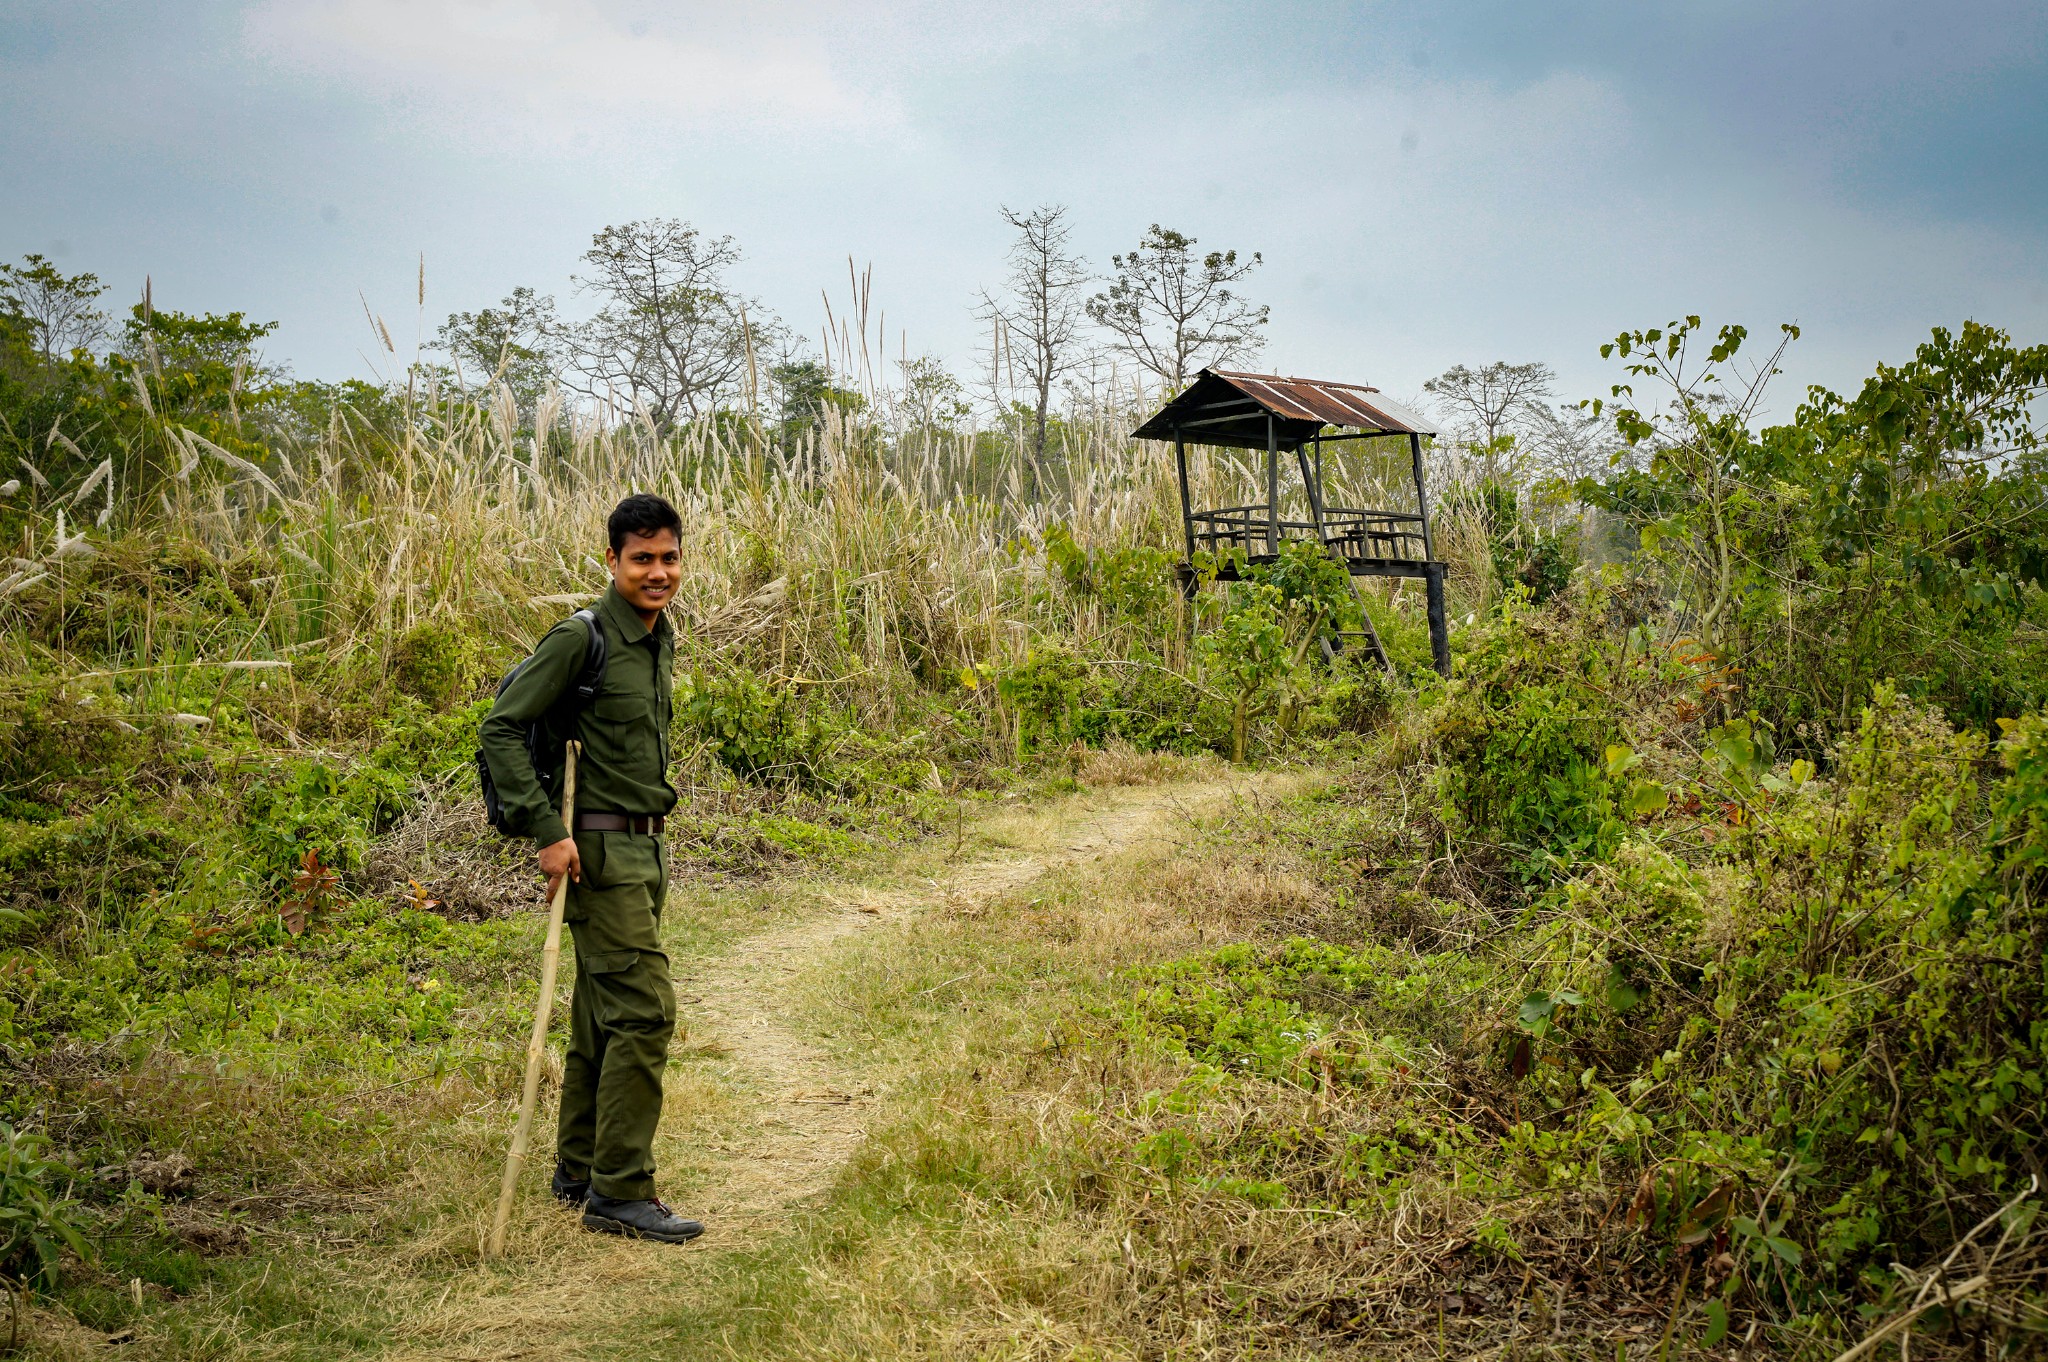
x: 795, y: 1111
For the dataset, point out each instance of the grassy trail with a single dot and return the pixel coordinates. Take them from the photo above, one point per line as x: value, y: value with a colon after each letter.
x: 781, y: 1072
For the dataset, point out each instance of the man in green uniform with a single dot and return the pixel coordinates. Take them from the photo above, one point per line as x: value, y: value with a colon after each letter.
x: 624, y: 1010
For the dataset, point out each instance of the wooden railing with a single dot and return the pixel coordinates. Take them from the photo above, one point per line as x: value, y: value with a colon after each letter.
x: 1355, y: 535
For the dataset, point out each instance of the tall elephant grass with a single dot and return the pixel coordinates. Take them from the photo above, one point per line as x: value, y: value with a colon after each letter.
x: 849, y: 550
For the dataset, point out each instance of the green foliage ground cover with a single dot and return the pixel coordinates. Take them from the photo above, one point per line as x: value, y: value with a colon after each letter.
x: 1609, y: 991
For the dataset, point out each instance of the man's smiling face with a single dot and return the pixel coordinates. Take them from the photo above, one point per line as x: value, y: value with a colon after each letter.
x: 645, y: 569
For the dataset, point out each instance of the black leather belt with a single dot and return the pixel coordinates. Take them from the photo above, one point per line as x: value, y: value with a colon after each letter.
x: 647, y: 825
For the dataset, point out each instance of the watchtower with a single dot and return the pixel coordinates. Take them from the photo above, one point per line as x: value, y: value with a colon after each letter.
x: 1291, y: 416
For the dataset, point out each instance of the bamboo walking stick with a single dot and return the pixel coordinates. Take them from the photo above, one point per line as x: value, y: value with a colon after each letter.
x: 536, y: 1045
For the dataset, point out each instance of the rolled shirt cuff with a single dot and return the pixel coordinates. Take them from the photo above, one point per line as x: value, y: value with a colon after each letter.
x: 549, y: 830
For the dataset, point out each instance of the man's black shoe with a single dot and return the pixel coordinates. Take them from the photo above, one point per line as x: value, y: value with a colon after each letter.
x: 638, y: 1220
x: 571, y: 1192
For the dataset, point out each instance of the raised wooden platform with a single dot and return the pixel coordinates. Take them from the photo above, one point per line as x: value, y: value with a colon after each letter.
x: 1275, y: 413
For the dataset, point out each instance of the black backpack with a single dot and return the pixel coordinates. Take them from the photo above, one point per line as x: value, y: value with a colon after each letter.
x: 541, y: 733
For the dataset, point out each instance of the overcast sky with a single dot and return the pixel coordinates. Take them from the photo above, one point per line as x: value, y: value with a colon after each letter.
x: 1430, y: 183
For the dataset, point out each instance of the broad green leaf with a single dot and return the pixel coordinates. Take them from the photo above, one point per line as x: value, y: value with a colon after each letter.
x: 1645, y: 798
x: 1621, y: 994
x: 1717, y: 1323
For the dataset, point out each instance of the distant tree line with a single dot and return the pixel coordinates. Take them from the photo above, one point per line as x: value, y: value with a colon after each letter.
x: 667, y: 336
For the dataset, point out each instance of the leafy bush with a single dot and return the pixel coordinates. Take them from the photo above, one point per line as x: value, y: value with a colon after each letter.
x: 37, y: 1221
x: 1044, y: 691
x: 435, y: 663
x: 52, y: 732
x: 1133, y: 582
x: 1315, y: 589
x: 1784, y: 1033
x: 757, y: 731
x: 1849, y: 1039
x: 1151, y: 707
x: 336, y: 807
x: 1539, y: 561
x: 1900, y: 534
x: 1245, y: 655
x: 1522, y: 739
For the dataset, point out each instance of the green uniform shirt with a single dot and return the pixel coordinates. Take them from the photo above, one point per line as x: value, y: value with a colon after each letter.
x: 624, y: 765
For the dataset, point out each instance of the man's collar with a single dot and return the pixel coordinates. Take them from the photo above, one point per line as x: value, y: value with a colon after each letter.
x: 627, y: 619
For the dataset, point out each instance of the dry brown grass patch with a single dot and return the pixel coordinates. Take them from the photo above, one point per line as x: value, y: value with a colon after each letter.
x: 1259, y: 893
x: 467, y: 870
x: 1118, y: 763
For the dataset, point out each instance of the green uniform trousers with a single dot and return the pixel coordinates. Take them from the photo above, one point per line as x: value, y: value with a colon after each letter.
x: 622, y: 1017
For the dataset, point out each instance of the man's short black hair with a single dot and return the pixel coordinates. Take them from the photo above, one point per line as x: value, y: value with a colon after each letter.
x: 642, y: 513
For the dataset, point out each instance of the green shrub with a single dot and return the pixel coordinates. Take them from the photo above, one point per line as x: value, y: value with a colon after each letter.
x: 52, y: 731
x: 757, y: 731
x: 1044, y: 692
x: 435, y: 663
x: 1854, y: 1039
x: 37, y: 1220
x: 335, y: 806
x: 1315, y: 589
x: 1133, y: 582
x: 1522, y: 739
x: 1245, y: 656
x: 1151, y: 707
x: 1538, y: 561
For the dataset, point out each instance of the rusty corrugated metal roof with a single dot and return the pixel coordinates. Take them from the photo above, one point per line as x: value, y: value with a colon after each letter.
x: 1229, y: 407
x: 1334, y: 404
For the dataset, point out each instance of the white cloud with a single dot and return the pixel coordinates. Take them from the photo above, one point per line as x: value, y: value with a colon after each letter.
x: 507, y: 74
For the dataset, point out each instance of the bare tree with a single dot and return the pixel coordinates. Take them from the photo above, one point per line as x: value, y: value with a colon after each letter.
x: 58, y: 311
x: 1493, y: 405
x: 1174, y: 312
x: 671, y: 335
x: 1568, y: 443
x: 1037, y: 322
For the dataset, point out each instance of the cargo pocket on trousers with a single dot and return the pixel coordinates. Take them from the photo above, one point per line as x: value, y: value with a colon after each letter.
x: 627, y: 858
x: 610, y: 962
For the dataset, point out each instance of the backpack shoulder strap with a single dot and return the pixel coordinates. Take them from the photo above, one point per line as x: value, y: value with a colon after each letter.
x: 592, y: 676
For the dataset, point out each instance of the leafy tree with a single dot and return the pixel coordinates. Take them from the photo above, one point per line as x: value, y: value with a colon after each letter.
x: 933, y: 401
x: 57, y: 311
x: 1175, y: 313
x: 374, y: 415
x: 1566, y: 443
x: 804, y: 392
x: 512, y: 344
x: 196, y: 365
